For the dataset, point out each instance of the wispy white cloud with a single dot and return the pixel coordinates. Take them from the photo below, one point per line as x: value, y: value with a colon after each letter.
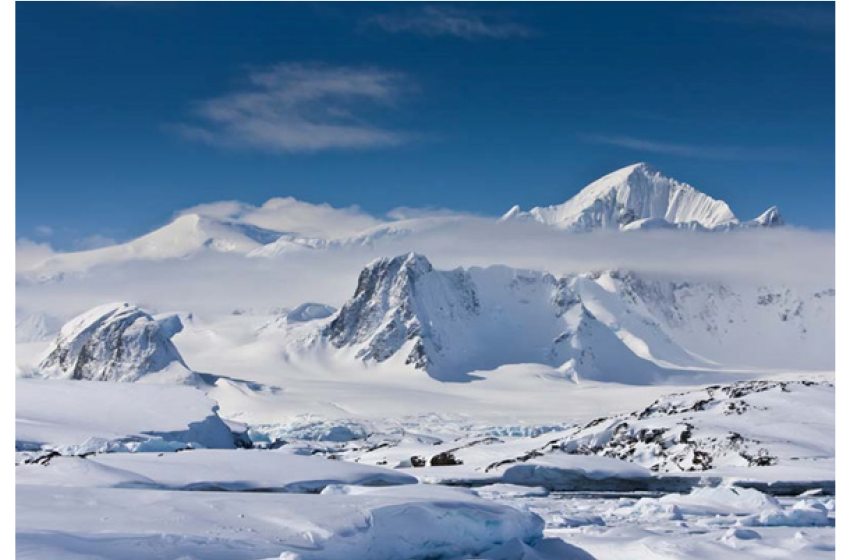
x: 43, y: 231
x: 450, y: 21
x: 809, y: 16
x: 301, y: 108
x: 691, y: 150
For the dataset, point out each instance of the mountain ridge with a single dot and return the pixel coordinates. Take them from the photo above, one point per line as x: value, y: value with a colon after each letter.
x: 636, y: 197
x: 608, y: 326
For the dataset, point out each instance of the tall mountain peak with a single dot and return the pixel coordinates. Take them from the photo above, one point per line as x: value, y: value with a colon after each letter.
x: 397, y: 304
x: 631, y: 194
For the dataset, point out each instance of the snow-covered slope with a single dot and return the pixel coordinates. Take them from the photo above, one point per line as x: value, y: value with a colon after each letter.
x: 395, y: 231
x: 637, y: 197
x: 746, y: 424
x: 185, y: 236
x: 115, y: 342
x: 767, y: 326
x: 749, y: 431
x: 612, y: 326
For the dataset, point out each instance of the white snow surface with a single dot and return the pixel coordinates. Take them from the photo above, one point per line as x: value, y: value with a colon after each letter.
x: 212, y: 469
x: 75, y: 417
x: 107, y: 523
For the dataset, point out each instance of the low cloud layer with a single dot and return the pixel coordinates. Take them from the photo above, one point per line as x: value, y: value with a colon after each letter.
x: 301, y: 108
x: 213, y: 283
x: 814, y: 17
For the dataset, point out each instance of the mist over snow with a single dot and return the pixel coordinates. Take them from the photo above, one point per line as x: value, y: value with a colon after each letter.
x: 219, y: 282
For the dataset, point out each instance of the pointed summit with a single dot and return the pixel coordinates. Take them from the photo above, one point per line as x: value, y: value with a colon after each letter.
x: 399, y: 305
x: 636, y: 192
x: 769, y: 218
x: 512, y: 213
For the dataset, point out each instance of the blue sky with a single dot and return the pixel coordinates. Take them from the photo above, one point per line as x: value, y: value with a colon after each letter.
x: 129, y: 112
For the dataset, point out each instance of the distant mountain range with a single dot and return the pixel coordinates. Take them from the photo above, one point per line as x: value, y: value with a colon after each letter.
x: 636, y: 197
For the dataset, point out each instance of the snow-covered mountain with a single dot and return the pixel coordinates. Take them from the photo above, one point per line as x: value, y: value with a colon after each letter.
x: 639, y: 197
x: 403, y: 304
x: 636, y: 197
x: 115, y: 342
x: 611, y: 326
x: 769, y: 218
x: 186, y: 235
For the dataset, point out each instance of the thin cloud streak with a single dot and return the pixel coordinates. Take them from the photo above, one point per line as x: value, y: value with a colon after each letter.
x: 433, y: 21
x: 690, y: 150
x: 812, y: 17
x: 301, y: 108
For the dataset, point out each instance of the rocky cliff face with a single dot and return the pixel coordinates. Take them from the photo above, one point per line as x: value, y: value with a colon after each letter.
x: 450, y: 323
x: 114, y: 342
x: 400, y: 304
